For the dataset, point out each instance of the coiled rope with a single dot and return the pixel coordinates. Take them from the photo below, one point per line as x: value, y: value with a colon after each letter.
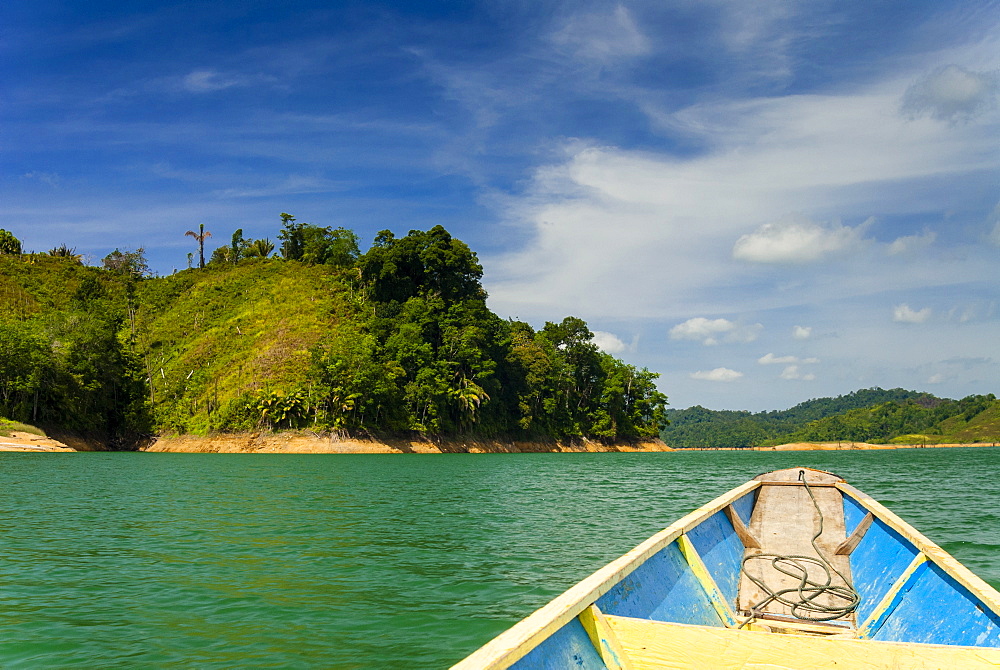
x: 804, y: 605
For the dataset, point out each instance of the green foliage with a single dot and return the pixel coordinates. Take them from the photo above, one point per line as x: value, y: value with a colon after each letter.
x: 236, y: 246
x: 129, y: 263
x: 422, y: 262
x: 258, y: 248
x: 63, y: 251
x: 8, y: 243
x: 69, y: 364
x: 317, y: 245
x: 207, y: 338
x: 867, y: 415
x: 397, y: 339
x: 886, y: 421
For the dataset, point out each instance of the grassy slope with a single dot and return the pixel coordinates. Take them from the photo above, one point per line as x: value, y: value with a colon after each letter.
x: 984, y: 427
x: 206, y: 336
x: 35, y: 285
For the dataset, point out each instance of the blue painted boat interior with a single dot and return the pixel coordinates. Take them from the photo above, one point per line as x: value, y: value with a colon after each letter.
x: 662, y: 589
x: 932, y: 607
x: 568, y: 647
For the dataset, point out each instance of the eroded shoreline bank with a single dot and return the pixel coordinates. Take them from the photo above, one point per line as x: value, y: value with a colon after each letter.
x: 310, y: 443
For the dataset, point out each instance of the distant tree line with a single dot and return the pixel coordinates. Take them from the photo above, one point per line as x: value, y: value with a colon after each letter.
x: 867, y: 415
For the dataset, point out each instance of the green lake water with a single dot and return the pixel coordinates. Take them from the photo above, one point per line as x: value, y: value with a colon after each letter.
x: 374, y: 561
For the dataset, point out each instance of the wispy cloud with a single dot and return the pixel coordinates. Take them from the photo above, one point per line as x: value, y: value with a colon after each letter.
x: 771, y: 359
x: 50, y: 178
x: 601, y: 36
x: 291, y: 185
x: 952, y: 93
x: 208, y: 81
x: 910, y: 244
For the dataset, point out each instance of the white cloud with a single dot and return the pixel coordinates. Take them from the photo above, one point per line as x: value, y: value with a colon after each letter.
x: 771, y: 359
x: 796, y: 240
x: 209, y: 81
x: 601, y: 209
x: 711, y: 331
x: 909, y: 244
x: 905, y: 314
x: 602, y: 37
x: 935, y: 379
x: 717, y: 375
x: 292, y: 184
x: 203, y: 81
x: 792, y: 373
x: 801, y: 332
x: 951, y: 93
x: 608, y: 342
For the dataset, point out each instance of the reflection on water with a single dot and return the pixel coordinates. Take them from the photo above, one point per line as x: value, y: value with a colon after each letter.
x: 373, y: 561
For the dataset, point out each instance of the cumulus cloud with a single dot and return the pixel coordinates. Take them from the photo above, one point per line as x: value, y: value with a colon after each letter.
x: 771, y: 359
x: 951, y: 93
x: 905, y: 314
x: 711, y: 331
x: 792, y: 372
x: 608, y: 342
x: 909, y: 244
x: 717, y: 375
x: 802, y: 332
x: 796, y: 241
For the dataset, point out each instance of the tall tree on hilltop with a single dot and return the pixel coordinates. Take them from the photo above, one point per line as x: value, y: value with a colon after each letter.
x: 8, y: 243
x: 200, y: 237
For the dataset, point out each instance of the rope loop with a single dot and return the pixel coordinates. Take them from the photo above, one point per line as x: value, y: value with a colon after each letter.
x: 803, y: 605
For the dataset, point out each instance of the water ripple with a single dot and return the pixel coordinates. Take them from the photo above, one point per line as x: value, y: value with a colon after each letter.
x: 199, y: 561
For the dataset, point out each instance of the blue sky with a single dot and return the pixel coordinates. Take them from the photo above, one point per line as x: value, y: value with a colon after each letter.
x: 764, y: 202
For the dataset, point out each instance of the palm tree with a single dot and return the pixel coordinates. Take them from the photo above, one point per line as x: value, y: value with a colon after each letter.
x: 200, y: 237
x: 259, y: 248
x: 63, y: 251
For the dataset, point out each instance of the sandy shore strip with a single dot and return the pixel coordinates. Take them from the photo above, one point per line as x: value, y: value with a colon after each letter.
x: 310, y: 443
x: 844, y: 446
x: 31, y: 442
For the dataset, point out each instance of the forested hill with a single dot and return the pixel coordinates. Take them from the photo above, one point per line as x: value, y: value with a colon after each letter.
x: 867, y: 415
x: 317, y: 336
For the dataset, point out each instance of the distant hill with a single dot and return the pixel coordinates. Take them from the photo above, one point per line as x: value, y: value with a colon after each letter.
x: 975, y: 418
x: 817, y: 420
